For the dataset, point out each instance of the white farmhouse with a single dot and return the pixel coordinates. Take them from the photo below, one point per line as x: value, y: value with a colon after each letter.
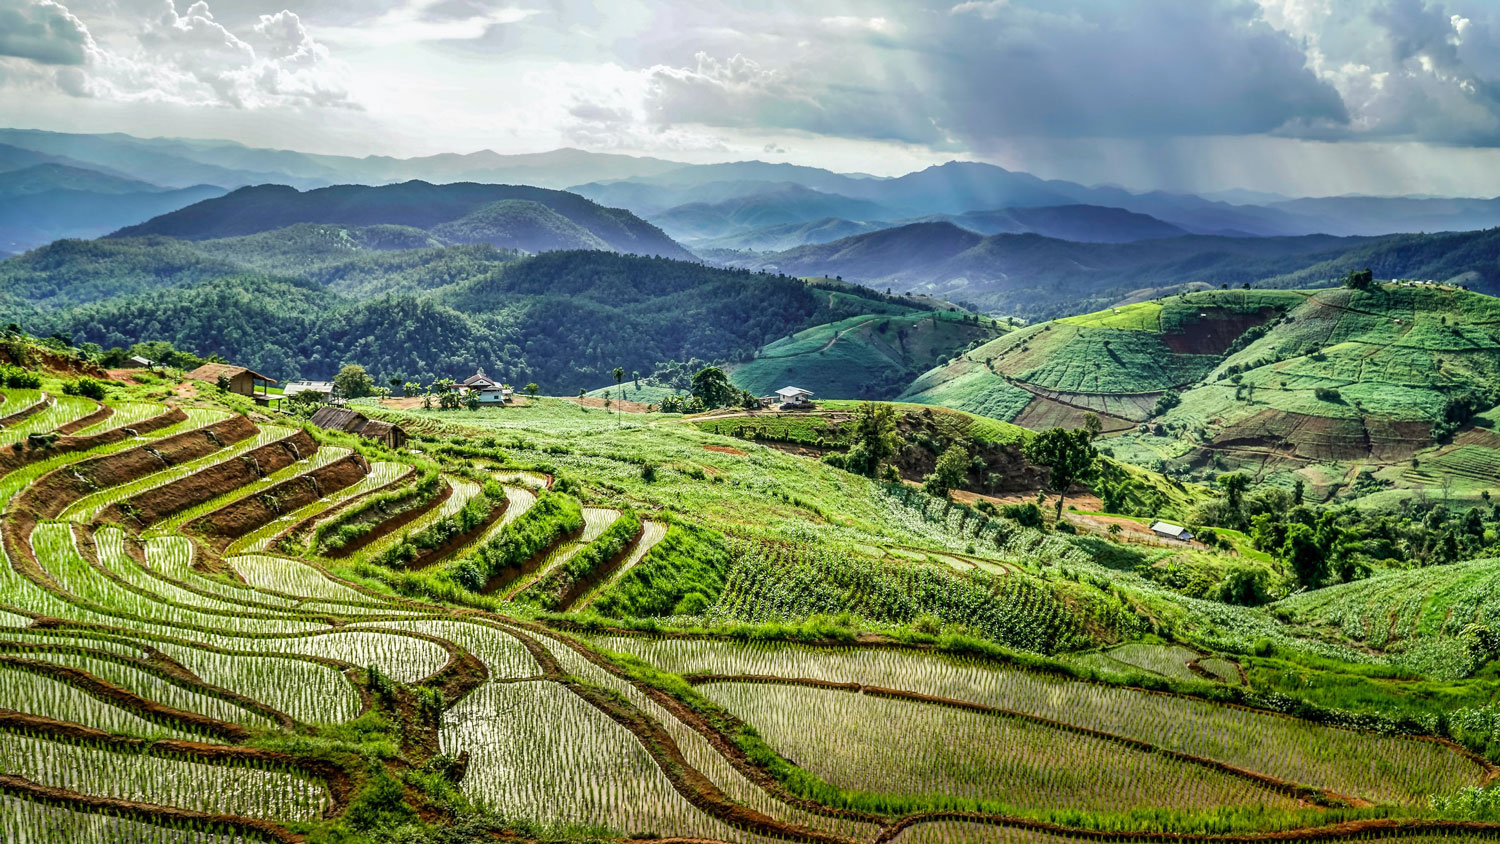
x: 1171, y: 531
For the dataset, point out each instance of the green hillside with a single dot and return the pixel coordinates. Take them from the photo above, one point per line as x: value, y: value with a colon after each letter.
x: 1324, y: 384
x: 869, y: 356
x: 302, y: 302
x: 253, y: 628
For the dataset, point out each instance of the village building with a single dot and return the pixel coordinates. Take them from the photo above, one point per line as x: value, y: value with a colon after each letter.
x: 241, y: 380
x: 789, y: 397
x: 140, y: 362
x: 484, y: 388
x: 1170, y: 531
x: 351, y: 421
x: 323, y: 389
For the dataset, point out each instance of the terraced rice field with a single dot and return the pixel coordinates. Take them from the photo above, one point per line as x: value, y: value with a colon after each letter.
x: 142, y: 704
x: 1380, y: 768
x: 86, y: 508
x: 595, y: 521
x: 845, y: 738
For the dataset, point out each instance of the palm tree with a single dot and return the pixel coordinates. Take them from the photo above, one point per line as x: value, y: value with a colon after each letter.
x: 619, y: 374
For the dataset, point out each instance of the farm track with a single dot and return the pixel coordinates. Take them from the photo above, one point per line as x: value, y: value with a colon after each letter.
x: 174, y: 596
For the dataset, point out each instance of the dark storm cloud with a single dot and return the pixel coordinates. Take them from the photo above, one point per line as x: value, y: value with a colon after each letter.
x: 1106, y: 69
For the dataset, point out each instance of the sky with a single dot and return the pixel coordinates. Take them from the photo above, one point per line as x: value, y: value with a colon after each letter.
x: 1300, y: 97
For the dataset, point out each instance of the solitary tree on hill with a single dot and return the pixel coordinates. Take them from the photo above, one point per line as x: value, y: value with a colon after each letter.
x: 876, y: 437
x: 532, y: 389
x: 1359, y: 279
x: 1069, y: 454
x: 949, y: 473
x: 711, y: 387
x: 619, y: 374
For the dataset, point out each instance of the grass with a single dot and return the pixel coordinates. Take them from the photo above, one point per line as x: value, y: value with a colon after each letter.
x: 749, y: 542
x: 869, y: 356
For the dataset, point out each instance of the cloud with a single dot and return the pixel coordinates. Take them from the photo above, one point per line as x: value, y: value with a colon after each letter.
x: 42, y: 31
x: 190, y: 58
x: 1155, y: 68
x: 428, y: 20
x: 1406, y: 70
x: 738, y: 92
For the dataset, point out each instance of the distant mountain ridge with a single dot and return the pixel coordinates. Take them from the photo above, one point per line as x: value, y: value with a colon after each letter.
x: 510, y: 216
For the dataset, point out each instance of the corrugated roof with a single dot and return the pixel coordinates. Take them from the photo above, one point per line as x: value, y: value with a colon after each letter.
x: 212, y: 371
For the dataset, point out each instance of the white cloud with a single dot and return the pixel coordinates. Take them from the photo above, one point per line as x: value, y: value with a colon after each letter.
x: 191, y: 59
x: 426, y: 20
x: 42, y: 31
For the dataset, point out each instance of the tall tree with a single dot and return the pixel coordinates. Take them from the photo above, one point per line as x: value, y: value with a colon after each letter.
x: 353, y: 382
x: 711, y: 386
x: 619, y: 374
x: 876, y: 437
x: 1069, y: 454
x: 952, y: 466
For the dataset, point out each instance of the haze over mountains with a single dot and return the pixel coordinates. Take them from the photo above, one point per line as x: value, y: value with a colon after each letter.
x: 749, y: 205
x: 971, y: 232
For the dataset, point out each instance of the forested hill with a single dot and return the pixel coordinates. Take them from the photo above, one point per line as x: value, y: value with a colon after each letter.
x: 509, y: 216
x: 1037, y: 276
x: 563, y: 319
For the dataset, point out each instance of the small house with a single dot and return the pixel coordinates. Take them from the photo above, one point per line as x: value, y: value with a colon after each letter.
x: 138, y: 362
x: 1168, y: 530
x: 351, y: 421
x: 322, y: 389
x: 790, y: 397
x: 486, y: 389
x: 241, y: 380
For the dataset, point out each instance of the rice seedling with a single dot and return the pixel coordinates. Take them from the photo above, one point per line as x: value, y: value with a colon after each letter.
x: 463, y: 491
x: 253, y: 790
x: 702, y: 755
x: 76, y: 639
x: 20, y: 400
x: 501, y: 653
x: 1166, y: 660
x: 651, y: 533
x: 534, y: 480
x: 53, y: 544
x: 24, y: 821
x: 110, y: 544
x: 61, y: 411
x: 595, y: 521
x: 126, y: 415
x: 317, y: 460
x: 13, y: 482
x: 885, y: 746
x: 39, y: 694
x: 381, y: 473
x: 307, y: 691
x: 150, y: 686
x: 294, y: 578
x: 167, y: 560
x: 87, y: 507
x: 538, y: 751
x: 1382, y: 768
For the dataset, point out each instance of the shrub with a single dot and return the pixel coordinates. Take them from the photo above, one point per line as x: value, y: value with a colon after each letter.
x: 86, y: 387
x: 1328, y: 394
x: 20, y: 379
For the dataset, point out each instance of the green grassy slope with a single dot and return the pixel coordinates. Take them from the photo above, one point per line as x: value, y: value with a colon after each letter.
x: 1114, y: 361
x: 1327, y: 383
x: 867, y: 356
